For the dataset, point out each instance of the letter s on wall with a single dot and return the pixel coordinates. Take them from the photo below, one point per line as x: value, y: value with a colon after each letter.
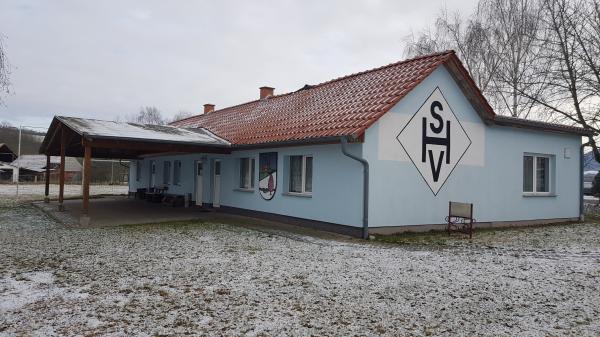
x: 436, y: 129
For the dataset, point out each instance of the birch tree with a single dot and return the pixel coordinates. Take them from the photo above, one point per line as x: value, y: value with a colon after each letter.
x: 498, y: 44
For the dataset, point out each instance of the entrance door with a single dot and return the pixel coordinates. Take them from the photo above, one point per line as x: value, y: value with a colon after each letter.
x: 217, y: 185
x: 152, y: 174
x: 199, y: 173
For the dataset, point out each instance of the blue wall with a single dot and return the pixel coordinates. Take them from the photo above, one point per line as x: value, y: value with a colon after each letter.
x: 400, y: 196
x: 337, y: 183
x: 489, y: 175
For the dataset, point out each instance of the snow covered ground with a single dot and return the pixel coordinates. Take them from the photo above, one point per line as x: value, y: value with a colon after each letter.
x: 223, y: 280
x: 37, y: 190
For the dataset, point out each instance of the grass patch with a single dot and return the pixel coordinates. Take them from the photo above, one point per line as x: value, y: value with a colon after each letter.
x: 181, y: 225
x: 431, y: 238
x: 480, y: 235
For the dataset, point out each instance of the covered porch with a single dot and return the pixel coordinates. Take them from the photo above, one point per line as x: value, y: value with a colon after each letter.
x: 89, y: 138
x: 119, y: 210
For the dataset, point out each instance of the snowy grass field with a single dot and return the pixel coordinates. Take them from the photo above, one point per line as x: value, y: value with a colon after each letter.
x: 225, y: 280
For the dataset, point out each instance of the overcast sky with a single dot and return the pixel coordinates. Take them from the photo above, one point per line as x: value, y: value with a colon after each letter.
x: 105, y: 59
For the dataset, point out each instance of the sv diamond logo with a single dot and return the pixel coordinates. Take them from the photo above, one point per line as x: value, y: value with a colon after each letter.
x: 434, y: 140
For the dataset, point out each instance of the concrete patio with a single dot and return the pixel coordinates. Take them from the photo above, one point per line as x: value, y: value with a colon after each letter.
x: 115, y: 211
x: 121, y: 210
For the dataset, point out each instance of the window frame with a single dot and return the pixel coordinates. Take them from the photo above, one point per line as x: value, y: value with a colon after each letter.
x: 177, y: 172
x: 549, y: 173
x: 303, y: 170
x: 250, y: 170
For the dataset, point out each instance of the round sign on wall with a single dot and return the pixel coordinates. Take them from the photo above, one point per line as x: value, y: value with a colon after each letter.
x: 267, y: 176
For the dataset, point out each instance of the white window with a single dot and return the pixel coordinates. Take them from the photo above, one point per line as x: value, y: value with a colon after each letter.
x: 246, y: 173
x: 536, y: 174
x: 176, y: 172
x: 301, y: 174
x: 167, y: 172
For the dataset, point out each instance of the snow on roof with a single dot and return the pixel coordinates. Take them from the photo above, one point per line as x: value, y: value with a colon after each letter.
x: 37, y: 162
x: 94, y: 128
x: 5, y: 166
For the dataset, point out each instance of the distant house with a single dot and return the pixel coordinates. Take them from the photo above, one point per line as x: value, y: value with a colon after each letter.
x: 32, y: 167
x: 6, y: 172
x: 6, y: 154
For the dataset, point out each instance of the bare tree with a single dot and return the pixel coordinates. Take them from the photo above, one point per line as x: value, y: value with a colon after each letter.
x: 182, y: 114
x: 466, y: 37
x: 570, y: 64
x: 498, y: 45
x: 514, y: 36
x: 4, y: 72
x: 147, y: 115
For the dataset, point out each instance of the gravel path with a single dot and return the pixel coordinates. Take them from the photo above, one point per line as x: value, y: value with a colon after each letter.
x: 221, y: 280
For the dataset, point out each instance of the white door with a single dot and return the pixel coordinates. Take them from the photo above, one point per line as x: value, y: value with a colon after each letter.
x: 199, y: 173
x: 217, y: 185
x: 152, y: 174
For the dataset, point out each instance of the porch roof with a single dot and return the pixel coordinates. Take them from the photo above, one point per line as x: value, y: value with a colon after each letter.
x: 110, y: 139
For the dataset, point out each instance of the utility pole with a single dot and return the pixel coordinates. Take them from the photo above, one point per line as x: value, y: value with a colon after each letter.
x: 112, y: 172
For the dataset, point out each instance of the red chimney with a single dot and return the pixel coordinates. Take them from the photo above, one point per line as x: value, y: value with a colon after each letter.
x: 266, y: 92
x: 208, y: 108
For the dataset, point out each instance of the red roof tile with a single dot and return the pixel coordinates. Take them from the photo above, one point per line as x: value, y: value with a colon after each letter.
x: 345, y: 106
x: 341, y: 107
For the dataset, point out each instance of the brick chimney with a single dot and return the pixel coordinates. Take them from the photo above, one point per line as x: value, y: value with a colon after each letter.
x: 208, y: 108
x: 266, y: 92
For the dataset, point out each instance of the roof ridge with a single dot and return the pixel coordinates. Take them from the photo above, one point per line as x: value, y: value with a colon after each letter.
x: 334, y: 80
x: 416, y: 58
x: 223, y: 109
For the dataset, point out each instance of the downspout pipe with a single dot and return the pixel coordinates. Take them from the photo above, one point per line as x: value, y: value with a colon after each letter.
x: 365, y: 164
x: 581, y: 165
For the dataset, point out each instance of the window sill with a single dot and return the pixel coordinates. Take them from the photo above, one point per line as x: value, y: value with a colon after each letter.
x: 533, y: 194
x: 247, y: 190
x: 295, y: 194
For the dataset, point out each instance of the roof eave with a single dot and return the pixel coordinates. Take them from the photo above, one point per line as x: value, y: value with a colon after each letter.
x: 295, y: 142
x: 91, y: 137
x: 541, y: 126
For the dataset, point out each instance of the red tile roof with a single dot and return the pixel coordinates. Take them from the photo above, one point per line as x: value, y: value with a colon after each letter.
x: 341, y: 107
x: 345, y: 106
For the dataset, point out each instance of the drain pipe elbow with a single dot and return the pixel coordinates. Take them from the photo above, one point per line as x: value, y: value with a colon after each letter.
x: 365, y: 164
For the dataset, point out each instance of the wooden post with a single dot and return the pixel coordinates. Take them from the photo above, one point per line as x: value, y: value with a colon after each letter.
x: 61, y: 175
x: 87, y: 172
x: 47, y: 175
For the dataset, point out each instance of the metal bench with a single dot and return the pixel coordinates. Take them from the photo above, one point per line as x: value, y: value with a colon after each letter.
x: 460, y: 218
x: 155, y: 194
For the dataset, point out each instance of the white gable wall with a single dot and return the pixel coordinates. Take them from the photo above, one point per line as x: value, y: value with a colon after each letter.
x: 489, y: 174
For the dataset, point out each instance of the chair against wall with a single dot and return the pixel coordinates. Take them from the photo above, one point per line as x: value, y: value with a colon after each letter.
x: 460, y: 218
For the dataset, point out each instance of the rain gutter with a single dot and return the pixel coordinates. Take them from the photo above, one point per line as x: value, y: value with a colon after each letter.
x: 365, y: 164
